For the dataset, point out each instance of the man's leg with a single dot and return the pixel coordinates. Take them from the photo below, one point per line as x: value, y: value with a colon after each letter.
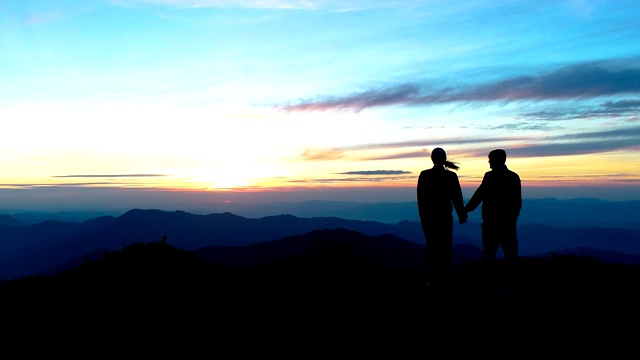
x: 490, y: 245
x: 509, y: 241
x: 510, y: 249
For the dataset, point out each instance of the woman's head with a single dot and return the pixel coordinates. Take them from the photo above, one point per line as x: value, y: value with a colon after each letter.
x: 439, y: 157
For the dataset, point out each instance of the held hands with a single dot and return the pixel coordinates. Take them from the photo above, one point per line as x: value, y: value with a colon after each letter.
x: 462, y: 219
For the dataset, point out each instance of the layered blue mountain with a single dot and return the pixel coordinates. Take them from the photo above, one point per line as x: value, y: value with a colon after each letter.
x: 580, y: 212
x: 49, y: 246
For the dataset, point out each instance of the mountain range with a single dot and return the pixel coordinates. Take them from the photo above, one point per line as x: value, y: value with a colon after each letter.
x: 51, y: 246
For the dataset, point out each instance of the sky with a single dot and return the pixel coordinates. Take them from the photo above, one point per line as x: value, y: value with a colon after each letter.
x: 340, y: 99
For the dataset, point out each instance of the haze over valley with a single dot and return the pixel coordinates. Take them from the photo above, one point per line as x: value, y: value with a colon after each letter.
x: 38, y: 242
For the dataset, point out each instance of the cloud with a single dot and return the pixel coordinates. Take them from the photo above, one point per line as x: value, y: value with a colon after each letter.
x: 44, y: 13
x: 361, y: 176
x: 401, y: 155
x: 615, y: 134
x: 343, y: 152
x: 374, y: 179
x: 621, y: 139
x: 376, y: 172
x: 524, y: 126
x: 43, y: 17
x: 614, y: 176
x: 336, y: 5
x: 577, y: 81
x: 322, y: 154
x: 609, y: 109
x: 577, y: 143
x: 622, y: 104
x: 113, y: 180
x: 430, y: 144
x: 88, y: 184
x: 574, y: 148
x: 109, y: 176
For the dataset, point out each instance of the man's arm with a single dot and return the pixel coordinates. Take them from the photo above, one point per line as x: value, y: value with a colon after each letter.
x: 419, y: 193
x: 477, y: 197
x: 518, y: 194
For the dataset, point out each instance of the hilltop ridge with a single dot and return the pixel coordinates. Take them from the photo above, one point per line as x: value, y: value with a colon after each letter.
x: 330, y: 296
x: 326, y: 261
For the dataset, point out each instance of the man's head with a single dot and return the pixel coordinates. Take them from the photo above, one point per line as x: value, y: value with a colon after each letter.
x: 497, y: 157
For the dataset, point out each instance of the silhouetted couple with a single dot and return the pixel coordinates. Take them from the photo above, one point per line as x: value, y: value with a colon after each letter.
x: 439, y: 194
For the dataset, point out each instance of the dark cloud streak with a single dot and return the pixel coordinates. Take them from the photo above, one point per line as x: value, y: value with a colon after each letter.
x: 376, y: 172
x: 622, y: 104
x: 570, y: 148
x: 577, y: 81
x: 108, y: 176
x: 608, y: 109
x: 632, y: 133
x: 431, y: 144
x: 618, y: 139
x: 352, y: 179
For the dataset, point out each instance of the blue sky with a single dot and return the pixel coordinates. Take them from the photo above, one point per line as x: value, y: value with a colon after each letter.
x: 264, y: 96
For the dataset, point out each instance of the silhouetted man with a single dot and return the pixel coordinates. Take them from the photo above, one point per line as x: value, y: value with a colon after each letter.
x: 501, y: 197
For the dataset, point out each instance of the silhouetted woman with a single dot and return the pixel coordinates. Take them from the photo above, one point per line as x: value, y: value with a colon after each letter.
x: 439, y: 193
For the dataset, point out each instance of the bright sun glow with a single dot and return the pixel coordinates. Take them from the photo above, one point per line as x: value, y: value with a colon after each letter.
x: 217, y: 97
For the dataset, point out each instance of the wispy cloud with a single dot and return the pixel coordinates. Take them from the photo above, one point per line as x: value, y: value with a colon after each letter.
x: 43, y: 17
x: 620, y: 139
x: 525, y: 125
x: 578, y: 143
x: 572, y: 148
x: 577, y: 81
x: 335, y: 153
x: 622, y: 104
x: 109, y: 176
x: 362, y: 179
x: 440, y: 142
x: 632, y: 133
x: 629, y: 108
x: 322, y: 154
x: 359, y: 176
x: 376, y: 172
x: 337, y: 5
x: 112, y: 180
x: 621, y: 176
x: 45, y: 13
x: 87, y: 184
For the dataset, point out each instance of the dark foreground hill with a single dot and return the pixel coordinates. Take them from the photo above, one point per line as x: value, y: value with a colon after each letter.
x: 328, y: 296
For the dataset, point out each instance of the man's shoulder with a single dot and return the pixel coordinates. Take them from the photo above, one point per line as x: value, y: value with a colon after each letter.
x: 501, y: 173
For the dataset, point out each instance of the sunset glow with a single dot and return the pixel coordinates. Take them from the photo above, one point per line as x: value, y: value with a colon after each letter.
x: 257, y: 96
